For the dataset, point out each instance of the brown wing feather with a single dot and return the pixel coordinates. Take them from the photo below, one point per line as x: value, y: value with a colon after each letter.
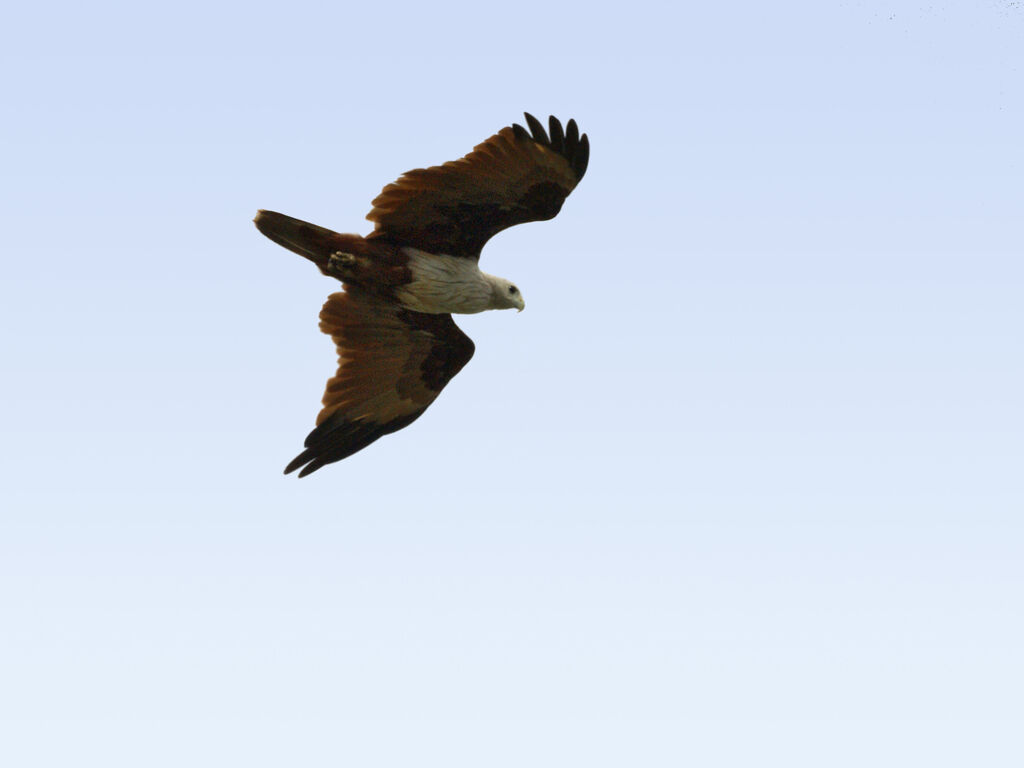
x: 513, y: 177
x: 392, y: 364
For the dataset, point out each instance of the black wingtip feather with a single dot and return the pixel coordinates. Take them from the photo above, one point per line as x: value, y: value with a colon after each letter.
x: 537, y: 129
x: 298, y: 461
x: 312, y: 467
x: 572, y: 139
x: 557, y: 135
x: 567, y: 142
x: 582, y: 158
x: 337, y: 438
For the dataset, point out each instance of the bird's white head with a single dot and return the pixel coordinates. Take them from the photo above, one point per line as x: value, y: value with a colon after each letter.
x: 505, y: 294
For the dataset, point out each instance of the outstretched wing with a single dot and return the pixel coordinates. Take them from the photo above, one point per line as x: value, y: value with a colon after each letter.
x: 514, y: 177
x: 392, y: 364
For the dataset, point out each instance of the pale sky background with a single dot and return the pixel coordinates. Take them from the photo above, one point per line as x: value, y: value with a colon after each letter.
x: 742, y: 487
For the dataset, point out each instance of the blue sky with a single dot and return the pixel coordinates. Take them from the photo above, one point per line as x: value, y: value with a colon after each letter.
x: 741, y: 487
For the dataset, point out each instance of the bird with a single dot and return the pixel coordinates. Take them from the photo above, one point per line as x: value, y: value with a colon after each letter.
x: 397, y: 343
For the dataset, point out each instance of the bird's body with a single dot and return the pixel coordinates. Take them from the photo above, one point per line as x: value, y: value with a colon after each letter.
x: 397, y: 343
x: 443, y: 283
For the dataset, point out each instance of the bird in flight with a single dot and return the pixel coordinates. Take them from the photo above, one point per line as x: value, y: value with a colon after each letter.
x: 392, y: 321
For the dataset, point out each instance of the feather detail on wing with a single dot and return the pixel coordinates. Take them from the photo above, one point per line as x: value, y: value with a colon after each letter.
x: 513, y: 177
x: 392, y: 364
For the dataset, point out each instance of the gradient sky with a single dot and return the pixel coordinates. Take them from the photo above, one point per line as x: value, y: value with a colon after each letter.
x: 742, y: 487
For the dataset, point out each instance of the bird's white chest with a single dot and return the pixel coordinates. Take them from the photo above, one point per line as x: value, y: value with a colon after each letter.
x: 442, y: 284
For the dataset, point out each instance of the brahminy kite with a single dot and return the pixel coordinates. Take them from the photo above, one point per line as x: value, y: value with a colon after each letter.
x: 392, y: 322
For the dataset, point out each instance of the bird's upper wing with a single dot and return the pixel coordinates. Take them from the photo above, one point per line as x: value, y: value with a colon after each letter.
x: 392, y: 364
x: 514, y: 177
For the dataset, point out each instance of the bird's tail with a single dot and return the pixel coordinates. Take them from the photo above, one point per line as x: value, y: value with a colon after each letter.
x: 308, y: 240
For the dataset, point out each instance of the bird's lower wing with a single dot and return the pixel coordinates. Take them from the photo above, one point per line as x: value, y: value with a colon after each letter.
x: 392, y: 364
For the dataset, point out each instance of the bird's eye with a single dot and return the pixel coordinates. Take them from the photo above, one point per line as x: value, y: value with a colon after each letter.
x: 513, y: 290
